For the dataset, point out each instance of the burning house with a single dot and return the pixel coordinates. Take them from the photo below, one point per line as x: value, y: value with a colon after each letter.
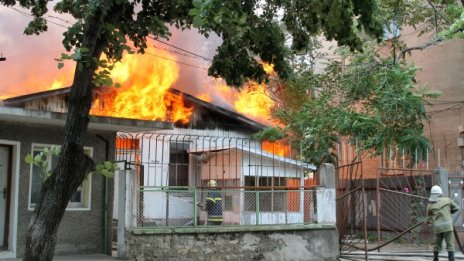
x: 169, y: 144
x: 171, y: 163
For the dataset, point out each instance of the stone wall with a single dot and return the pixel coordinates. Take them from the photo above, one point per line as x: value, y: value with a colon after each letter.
x: 299, y: 242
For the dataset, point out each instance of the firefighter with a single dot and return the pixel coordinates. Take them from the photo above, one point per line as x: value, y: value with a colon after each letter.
x: 439, y: 213
x: 214, y: 205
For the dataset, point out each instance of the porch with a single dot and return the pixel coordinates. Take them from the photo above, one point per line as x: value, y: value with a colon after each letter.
x: 271, y: 202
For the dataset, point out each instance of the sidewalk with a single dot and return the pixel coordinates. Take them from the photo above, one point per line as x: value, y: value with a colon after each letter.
x: 75, y: 258
x: 398, y: 256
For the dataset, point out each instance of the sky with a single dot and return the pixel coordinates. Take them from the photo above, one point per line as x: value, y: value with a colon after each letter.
x: 29, y: 59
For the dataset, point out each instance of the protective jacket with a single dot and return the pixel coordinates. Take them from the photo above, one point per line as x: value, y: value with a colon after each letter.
x: 214, y: 206
x: 439, y: 211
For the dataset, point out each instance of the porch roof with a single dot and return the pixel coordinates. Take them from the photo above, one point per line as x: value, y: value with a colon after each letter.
x: 96, y: 122
x: 254, y: 151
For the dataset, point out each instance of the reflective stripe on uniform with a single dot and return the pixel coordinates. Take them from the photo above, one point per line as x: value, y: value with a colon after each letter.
x: 211, y: 199
x: 215, y: 219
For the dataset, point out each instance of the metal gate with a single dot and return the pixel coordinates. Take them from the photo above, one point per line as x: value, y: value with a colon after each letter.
x: 455, y: 190
x: 351, y: 208
x: 387, y: 212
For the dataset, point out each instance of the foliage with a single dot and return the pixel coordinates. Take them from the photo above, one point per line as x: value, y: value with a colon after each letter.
x: 426, y: 19
x: 107, y: 169
x: 271, y: 134
x: 424, y: 16
x: 372, y: 102
x: 250, y: 28
x: 456, y: 30
x: 42, y: 160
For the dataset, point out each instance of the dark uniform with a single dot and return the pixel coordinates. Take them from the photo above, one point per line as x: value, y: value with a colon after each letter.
x: 214, y: 208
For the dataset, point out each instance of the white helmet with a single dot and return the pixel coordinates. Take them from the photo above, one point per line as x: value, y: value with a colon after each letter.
x: 436, y: 190
x: 212, y: 183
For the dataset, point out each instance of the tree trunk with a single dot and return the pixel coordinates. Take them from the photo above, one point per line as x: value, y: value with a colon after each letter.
x: 73, y: 165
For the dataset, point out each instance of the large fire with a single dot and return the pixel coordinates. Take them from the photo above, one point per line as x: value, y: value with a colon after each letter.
x: 144, y: 94
x: 253, y: 99
x: 146, y: 80
x: 253, y: 102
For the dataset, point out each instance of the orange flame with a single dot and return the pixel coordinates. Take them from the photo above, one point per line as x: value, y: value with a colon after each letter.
x: 144, y: 94
x: 127, y: 144
x: 254, y: 101
x: 276, y: 148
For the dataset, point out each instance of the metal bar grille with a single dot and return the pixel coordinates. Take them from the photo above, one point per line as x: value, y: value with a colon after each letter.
x: 191, y: 160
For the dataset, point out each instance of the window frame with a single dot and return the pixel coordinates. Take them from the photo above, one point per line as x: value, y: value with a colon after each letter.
x: 256, y: 181
x: 85, y: 204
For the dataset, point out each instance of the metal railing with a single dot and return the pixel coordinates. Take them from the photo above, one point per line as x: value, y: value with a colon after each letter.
x: 187, y: 206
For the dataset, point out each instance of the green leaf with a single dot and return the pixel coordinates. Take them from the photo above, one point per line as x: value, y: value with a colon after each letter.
x: 108, y: 164
x: 29, y: 159
x: 197, y: 3
x: 194, y: 12
x: 107, y: 81
x: 38, y: 157
x: 197, y: 21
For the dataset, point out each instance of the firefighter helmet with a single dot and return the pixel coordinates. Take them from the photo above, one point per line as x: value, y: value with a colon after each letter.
x: 436, y: 190
x: 212, y: 183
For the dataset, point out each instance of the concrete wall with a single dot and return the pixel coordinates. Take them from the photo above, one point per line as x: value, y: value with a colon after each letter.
x: 308, y: 242
x: 263, y: 242
x: 80, y: 231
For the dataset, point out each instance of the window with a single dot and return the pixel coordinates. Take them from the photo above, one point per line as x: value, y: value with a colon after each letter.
x: 80, y: 200
x: 178, y: 164
x: 228, y: 202
x: 269, y: 200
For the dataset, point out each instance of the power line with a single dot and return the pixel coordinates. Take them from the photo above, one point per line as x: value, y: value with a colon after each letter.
x: 168, y: 59
x: 443, y: 102
x: 179, y: 53
x: 23, y: 13
x: 59, y: 18
x: 178, y: 48
x: 451, y: 108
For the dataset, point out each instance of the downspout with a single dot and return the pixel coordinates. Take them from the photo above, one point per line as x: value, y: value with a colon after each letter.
x: 105, y: 196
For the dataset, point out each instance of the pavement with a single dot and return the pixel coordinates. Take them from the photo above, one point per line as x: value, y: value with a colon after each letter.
x: 74, y: 258
x: 397, y: 256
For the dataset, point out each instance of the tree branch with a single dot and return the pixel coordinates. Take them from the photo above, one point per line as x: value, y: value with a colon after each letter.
x: 434, y: 41
x: 438, y: 12
x: 403, y: 52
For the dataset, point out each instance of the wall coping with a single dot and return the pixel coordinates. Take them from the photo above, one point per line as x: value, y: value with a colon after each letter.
x: 228, y: 229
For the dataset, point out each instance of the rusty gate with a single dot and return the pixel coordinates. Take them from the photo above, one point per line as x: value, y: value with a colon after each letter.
x: 387, y: 212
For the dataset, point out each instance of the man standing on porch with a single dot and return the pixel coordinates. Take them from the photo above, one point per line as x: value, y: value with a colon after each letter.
x: 439, y: 212
x: 214, y: 205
